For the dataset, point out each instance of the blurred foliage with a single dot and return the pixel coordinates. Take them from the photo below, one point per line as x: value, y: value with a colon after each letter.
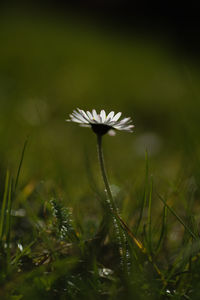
x: 48, y: 67
x: 51, y: 66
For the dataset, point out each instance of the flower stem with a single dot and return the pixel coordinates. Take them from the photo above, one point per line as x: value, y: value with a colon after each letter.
x: 103, y: 172
x: 119, y: 231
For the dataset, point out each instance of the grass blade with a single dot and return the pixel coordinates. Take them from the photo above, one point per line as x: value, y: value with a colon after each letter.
x: 8, y: 219
x: 149, y: 218
x: 4, y: 204
x: 20, y: 164
x: 178, y: 218
x: 144, y: 200
x: 163, y: 229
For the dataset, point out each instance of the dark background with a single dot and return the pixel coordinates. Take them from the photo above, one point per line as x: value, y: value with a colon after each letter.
x: 166, y: 19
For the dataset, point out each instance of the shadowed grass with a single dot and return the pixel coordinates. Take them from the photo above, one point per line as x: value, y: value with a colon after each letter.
x: 60, y: 262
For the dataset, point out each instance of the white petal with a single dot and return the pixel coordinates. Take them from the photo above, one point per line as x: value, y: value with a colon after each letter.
x: 125, y: 128
x: 76, y: 112
x: 94, y: 113
x: 84, y: 114
x: 85, y: 125
x: 79, y: 116
x: 74, y: 117
x: 130, y: 126
x: 110, y: 123
x: 128, y: 129
x: 125, y: 120
x: 76, y: 120
x: 123, y: 125
x: 103, y: 116
x: 110, y: 116
x: 90, y: 116
x: 96, y: 116
x: 117, y: 116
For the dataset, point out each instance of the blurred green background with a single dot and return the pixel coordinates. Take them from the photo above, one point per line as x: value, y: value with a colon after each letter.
x: 50, y: 65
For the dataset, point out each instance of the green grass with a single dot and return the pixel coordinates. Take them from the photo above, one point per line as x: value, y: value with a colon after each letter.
x: 58, y: 238
x: 49, y: 254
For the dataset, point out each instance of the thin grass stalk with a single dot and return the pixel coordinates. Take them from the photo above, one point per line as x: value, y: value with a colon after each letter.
x: 149, y: 218
x: 20, y: 164
x: 144, y: 199
x: 4, y: 205
x: 163, y: 230
x: 8, y: 222
x: 178, y: 218
x: 142, y: 249
x: 8, y: 210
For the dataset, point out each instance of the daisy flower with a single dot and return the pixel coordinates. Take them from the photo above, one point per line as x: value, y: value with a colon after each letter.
x: 101, y: 123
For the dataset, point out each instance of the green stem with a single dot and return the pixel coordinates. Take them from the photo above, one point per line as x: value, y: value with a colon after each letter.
x: 103, y: 172
x: 112, y: 206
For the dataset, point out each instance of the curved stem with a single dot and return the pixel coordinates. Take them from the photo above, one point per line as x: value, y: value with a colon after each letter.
x: 103, y: 172
x: 112, y: 206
